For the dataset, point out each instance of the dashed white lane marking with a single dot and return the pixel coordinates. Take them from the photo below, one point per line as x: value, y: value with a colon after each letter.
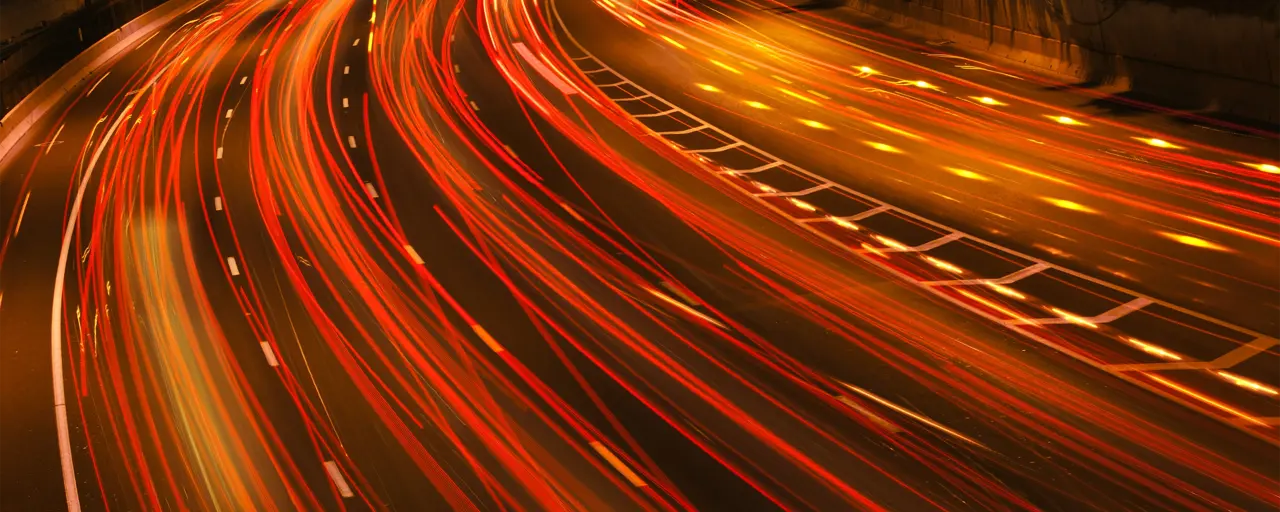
x: 913, y: 415
x: 487, y: 339
x: 54, y: 140
x: 219, y: 154
x: 270, y: 355
x: 233, y: 266
x: 351, y: 141
x: 678, y: 292
x: 21, y: 213
x: 373, y: 192
x: 457, y: 68
x: 96, y: 84
x: 217, y: 203
x: 346, y: 103
x: 339, y: 481
x: 617, y: 464
x: 413, y: 254
x: 879, y: 420
x: 229, y: 111
x: 543, y: 70
x: 244, y: 79
x: 346, y: 70
x: 356, y: 42
x: 474, y: 106
x: 686, y: 308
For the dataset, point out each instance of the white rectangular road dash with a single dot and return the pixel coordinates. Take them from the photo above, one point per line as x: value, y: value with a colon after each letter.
x: 244, y: 79
x: 231, y: 264
x: 474, y: 106
x: 346, y: 70
x: 617, y: 464
x: 346, y: 103
x: 457, y: 68
x: 217, y: 203
x: 413, y: 254
x: 229, y: 111
x: 219, y: 153
x: 339, y: 481
x: 373, y: 192
x: 543, y: 70
x: 351, y: 141
x: 356, y: 42
x: 488, y: 340
x: 270, y: 355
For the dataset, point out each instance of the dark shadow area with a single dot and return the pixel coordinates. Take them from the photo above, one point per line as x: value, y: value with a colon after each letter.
x: 811, y: 5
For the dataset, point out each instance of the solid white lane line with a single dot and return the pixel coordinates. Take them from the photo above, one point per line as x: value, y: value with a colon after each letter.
x: 96, y: 84
x: 339, y: 481
x: 231, y: 264
x: 217, y: 203
x: 270, y: 355
x: 617, y: 464
x: 351, y: 141
x: 373, y: 192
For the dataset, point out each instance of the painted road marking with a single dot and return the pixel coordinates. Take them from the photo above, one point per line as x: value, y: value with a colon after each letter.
x: 229, y: 111
x: 219, y: 157
x: 474, y: 106
x: 617, y: 464
x: 346, y: 103
x: 54, y: 140
x: 244, y: 79
x: 346, y: 69
x: 217, y: 203
x: 413, y: 254
x: 913, y: 415
x: 879, y: 420
x: 270, y: 355
x: 356, y: 42
x: 339, y: 481
x: 723, y: 148
x: 21, y: 213
x: 1009, y: 279
x: 373, y: 192
x: 487, y: 339
x: 231, y: 264
x: 807, y: 191
x: 686, y: 308
x: 351, y: 141
x: 96, y: 84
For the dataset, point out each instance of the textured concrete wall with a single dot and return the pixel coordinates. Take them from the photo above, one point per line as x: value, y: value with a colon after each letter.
x: 1221, y: 55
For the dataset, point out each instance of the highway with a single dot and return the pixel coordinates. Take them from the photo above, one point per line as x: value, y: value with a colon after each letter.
x: 614, y: 255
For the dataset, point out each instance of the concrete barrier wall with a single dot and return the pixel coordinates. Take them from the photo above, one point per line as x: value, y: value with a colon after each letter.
x: 1212, y: 55
x: 18, y: 121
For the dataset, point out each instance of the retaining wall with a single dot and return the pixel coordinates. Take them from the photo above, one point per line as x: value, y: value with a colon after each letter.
x: 1207, y: 55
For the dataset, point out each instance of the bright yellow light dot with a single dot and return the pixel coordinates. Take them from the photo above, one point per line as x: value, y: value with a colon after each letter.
x: 1075, y: 319
x: 965, y: 173
x: 898, y: 131
x: 923, y: 84
x: 725, y: 67
x: 708, y: 87
x: 882, y: 147
x: 756, y: 104
x: 781, y: 79
x: 673, y: 42
x: 891, y: 243
x: 987, y: 100
x: 1159, y: 143
x: 1193, y: 241
x: 1069, y: 205
x: 844, y: 223
x: 814, y: 124
x: 866, y: 70
x: 1267, y: 168
x: 1153, y: 350
x: 797, y: 95
x: 1066, y: 120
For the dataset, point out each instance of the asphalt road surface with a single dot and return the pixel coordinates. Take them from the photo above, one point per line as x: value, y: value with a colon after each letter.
x: 493, y: 255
